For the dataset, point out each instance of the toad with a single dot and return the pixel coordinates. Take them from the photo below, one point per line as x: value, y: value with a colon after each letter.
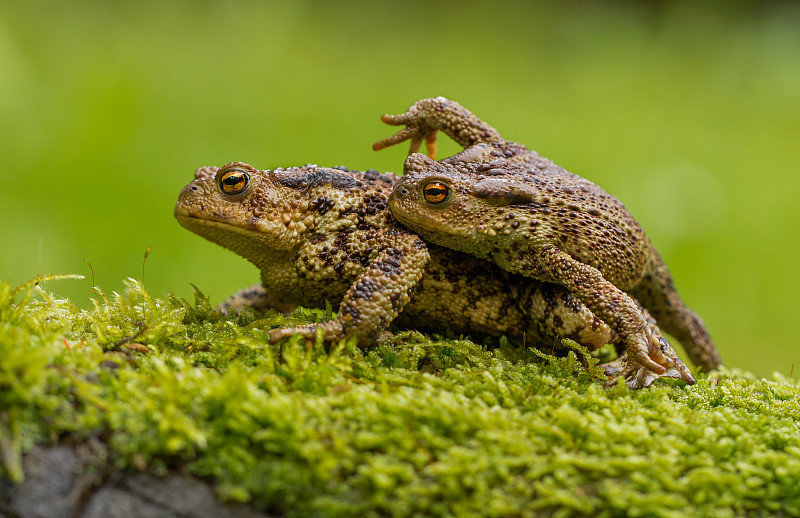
x: 497, y: 200
x: 322, y: 234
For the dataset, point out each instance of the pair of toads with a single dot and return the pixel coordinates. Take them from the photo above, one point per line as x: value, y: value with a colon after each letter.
x: 493, y: 241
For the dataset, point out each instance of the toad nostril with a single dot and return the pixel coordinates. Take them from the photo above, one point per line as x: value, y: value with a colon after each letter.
x: 194, y: 188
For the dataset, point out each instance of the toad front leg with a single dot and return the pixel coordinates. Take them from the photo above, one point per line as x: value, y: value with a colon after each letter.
x: 375, y: 298
x: 428, y: 116
x: 642, y: 347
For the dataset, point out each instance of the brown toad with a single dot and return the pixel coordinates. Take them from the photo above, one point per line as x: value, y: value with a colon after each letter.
x: 326, y: 234
x: 500, y: 201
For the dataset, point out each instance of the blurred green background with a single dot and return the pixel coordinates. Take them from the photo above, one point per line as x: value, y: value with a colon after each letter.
x: 690, y: 115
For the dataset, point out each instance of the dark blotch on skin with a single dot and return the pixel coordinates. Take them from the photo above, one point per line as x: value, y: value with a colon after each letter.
x: 316, y: 178
x: 364, y: 289
x: 353, y: 312
x: 392, y: 263
x: 396, y: 301
x: 321, y: 204
x: 497, y: 196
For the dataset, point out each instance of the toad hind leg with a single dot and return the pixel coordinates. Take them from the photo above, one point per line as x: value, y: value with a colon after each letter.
x: 256, y: 298
x: 615, y: 307
x: 657, y: 292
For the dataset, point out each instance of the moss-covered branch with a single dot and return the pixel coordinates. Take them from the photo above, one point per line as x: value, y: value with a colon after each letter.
x: 417, y: 426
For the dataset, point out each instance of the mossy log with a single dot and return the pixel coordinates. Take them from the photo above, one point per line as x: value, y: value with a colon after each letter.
x: 143, y: 399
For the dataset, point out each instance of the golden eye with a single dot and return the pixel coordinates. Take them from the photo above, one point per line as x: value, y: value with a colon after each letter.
x: 234, y: 182
x: 435, y: 192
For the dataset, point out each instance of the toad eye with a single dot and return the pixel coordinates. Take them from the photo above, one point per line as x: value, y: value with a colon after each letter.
x: 435, y: 192
x: 234, y: 182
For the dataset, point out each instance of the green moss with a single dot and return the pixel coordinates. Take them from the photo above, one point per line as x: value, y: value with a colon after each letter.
x: 418, y: 426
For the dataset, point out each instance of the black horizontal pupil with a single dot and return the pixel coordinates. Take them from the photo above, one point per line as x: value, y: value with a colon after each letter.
x: 436, y: 190
x: 234, y: 182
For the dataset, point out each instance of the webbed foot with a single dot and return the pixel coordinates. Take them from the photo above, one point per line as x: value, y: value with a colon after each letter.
x: 415, y: 129
x: 638, y: 376
x: 426, y: 117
